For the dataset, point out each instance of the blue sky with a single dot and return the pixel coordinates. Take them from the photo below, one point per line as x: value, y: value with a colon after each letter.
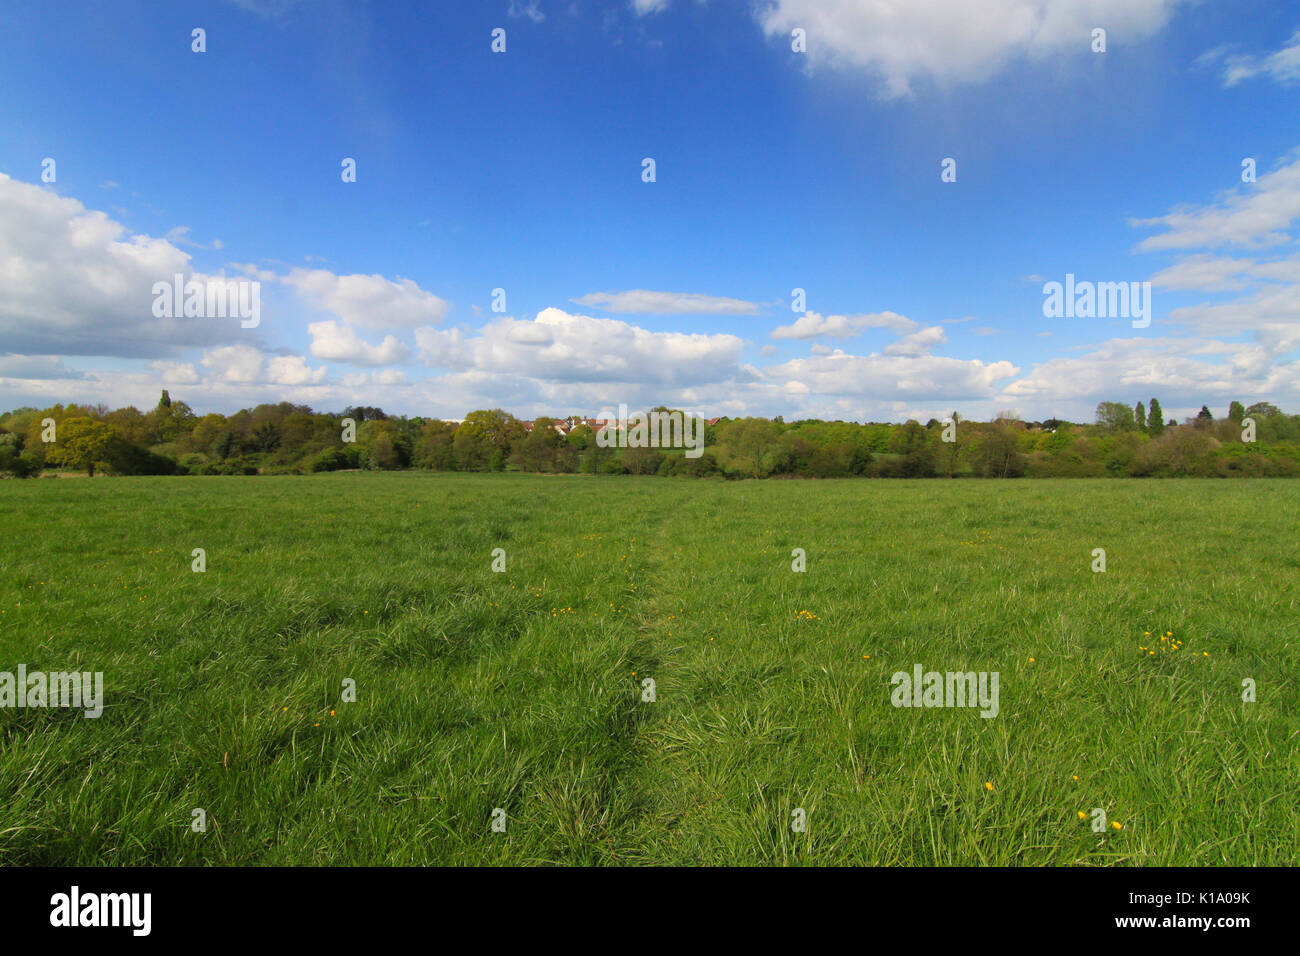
x: 775, y: 170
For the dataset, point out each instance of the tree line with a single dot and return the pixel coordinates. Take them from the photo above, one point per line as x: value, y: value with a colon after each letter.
x: 171, y: 439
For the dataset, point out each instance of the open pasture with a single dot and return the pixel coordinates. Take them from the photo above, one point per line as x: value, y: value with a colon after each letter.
x: 523, y: 690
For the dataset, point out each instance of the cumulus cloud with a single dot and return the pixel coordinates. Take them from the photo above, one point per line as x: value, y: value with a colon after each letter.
x: 246, y: 365
x: 369, y: 301
x: 559, y: 346
x: 952, y: 41
x: 918, y: 343
x: 882, y: 377
x: 179, y: 373
x: 75, y: 282
x: 340, y: 343
x: 1176, y: 370
x: 643, y: 302
x: 811, y: 325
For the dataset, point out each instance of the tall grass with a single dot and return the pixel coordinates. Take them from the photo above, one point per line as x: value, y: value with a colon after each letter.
x: 523, y: 690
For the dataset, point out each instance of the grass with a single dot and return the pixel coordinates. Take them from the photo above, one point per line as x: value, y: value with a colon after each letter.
x: 523, y: 690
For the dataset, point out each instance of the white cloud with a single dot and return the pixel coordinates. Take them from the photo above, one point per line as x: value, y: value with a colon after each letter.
x: 645, y: 7
x: 75, y: 282
x: 1250, y: 216
x: 179, y: 373
x: 1177, y: 371
x: 643, y: 302
x: 950, y: 41
x: 813, y: 325
x: 1270, y: 315
x: 888, y: 377
x: 526, y: 8
x: 293, y: 370
x: 1282, y: 65
x: 239, y: 364
x: 246, y: 365
x: 918, y: 343
x: 558, y: 346
x: 1269, y: 309
x: 369, y: 301
x: 340, y: 343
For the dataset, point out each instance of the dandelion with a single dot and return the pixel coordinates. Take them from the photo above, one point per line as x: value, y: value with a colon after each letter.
x: 1076, y: 777
x: 1082, y: 815
x: 987, y: 785
x: 1116, y: 824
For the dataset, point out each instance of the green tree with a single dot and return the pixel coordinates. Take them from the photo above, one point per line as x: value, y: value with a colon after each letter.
x: 82, y: 442
x: 13, y: 459
x: 1140, y: 414
x: 433, y: 446
x: 1155, y: 419
x: 1116, y: 417
x: 539, y: 449
x: 918, y: 452
x: 997, y: 454
x: 1263, y: 410
x: 382, y: 445
x: 472, y: 445
x: 498, y: 426
x: 751, y: 446
x: 1236, y: 412
x: 265, y: 437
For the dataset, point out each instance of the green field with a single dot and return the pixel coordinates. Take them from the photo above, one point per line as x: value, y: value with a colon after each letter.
x: 522, y: 690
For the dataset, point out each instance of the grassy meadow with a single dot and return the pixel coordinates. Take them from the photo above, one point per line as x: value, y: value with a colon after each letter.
x: 522, y: 690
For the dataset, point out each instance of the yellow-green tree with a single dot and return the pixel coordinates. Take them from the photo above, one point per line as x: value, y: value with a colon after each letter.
x: 81, y: 442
